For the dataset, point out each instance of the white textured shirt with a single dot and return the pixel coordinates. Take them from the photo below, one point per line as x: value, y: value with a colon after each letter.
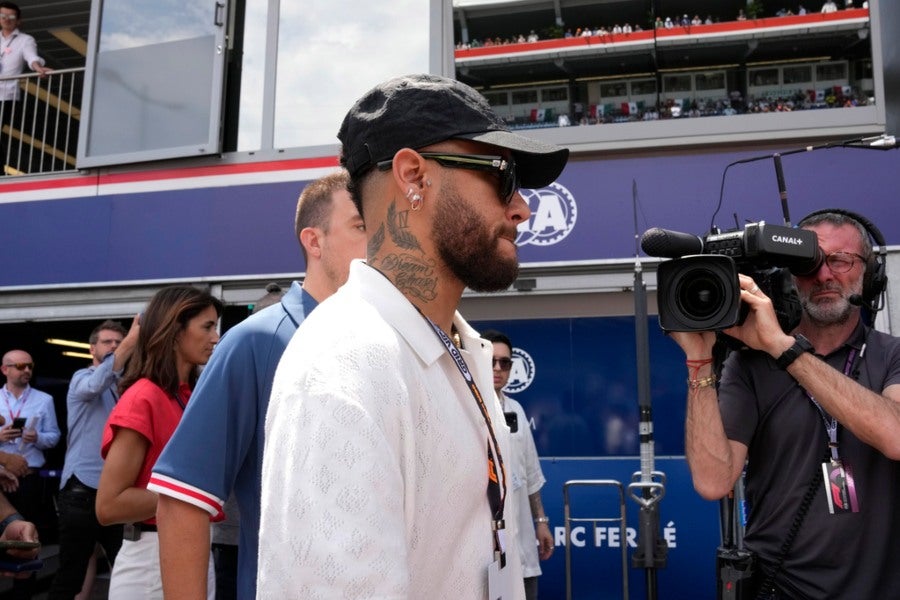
x: 375, y: 465
x: 526, y: 478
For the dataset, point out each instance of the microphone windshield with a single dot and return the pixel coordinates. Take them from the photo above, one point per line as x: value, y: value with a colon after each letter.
x: 670, y: 244
x: 855, y: 299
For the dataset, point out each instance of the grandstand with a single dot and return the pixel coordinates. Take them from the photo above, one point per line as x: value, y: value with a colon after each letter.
x: 674, y: 61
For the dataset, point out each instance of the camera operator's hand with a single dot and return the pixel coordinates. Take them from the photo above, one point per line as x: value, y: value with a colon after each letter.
x: 697, y: 345
x: 760, y: 330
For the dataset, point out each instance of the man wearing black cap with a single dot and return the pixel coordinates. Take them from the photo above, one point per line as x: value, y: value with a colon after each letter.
x: 384, y: 472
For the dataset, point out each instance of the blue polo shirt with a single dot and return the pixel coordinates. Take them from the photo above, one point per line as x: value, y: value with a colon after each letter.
x: 218, y: 445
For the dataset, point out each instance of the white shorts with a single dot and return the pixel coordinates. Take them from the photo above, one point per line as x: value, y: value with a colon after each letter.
x: 136, y: 572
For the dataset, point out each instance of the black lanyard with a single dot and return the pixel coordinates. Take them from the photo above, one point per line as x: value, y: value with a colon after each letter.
x: 496, y: 492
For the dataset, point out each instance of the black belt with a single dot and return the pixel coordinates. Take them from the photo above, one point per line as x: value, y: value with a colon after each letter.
x: 75, y: 486
x: 132, y: 531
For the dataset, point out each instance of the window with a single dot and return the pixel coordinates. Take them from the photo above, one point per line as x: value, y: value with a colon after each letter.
x: 709, y: 81
x: 643, y: 86
x: 801, y: 74
x: 325, y: 60
x: 831, y: 71
x: 253, y: 75
x: 497, y: 98
x: 760, y: 77
x: 134, y: 113
x: 554, y: 94
x: 677, y: 83
x: 525, y: 97
x: 612, y: 89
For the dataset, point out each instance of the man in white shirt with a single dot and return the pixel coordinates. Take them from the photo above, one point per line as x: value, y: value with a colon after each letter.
x: 29, y: 430
x: 385, y: 470
x: 526, y: 476
x: 17, y: 49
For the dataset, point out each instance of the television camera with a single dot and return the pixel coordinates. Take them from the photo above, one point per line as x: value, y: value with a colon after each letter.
x: 700, y: 290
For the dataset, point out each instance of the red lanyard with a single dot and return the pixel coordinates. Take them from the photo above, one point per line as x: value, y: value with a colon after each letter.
x: 6, y: 396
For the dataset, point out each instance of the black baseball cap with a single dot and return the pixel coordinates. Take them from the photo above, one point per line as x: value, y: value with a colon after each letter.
x: 415, y: 111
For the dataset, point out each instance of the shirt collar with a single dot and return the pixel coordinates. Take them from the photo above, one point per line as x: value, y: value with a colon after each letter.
x: 400, y: 314
x: 855, y: 341
x: 10, y: 392
x: 298, y: 303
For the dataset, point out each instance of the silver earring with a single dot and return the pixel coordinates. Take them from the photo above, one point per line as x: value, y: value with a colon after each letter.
x: 427, y: 183
x: 416, y: 202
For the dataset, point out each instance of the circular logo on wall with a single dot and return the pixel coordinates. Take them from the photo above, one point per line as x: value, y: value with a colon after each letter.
x: 553, y: 214
x: 522, y: 372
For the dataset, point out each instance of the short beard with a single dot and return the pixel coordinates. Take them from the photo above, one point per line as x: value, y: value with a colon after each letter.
x: 828, y: 313
x: 466, y: 244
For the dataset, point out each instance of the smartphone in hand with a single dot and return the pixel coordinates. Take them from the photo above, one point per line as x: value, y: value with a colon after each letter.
x: 10, y: 565
x: 17, y: 545
x: 19, y: 423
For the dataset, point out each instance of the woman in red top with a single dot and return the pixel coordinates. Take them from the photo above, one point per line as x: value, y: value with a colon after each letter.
x: 177, y: 334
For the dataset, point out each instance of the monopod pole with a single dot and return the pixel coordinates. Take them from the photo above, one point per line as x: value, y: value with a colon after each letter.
x: 647, y: 486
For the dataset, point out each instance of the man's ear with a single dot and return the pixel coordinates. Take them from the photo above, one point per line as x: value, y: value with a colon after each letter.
x: 310, y: 238
x: 408, y: 169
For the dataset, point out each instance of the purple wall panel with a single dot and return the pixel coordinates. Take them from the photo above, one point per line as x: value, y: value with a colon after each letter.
x: 247, y: 229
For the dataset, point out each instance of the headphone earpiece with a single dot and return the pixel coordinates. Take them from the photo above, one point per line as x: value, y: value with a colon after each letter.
x: 875, y: 277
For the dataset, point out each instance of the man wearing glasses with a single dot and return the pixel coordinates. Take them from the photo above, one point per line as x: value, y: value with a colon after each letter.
x: 17, y: 50
x: 30, y: 416
x: 525, y: 471
x: 91, y: 397
x: 816, y: 415
x: 30, y: 428
x: 385, y: 470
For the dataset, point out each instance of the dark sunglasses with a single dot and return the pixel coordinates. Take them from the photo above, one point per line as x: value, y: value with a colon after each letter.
x: 22, y: 366
x: 505, y: 364
x: 506, y: 169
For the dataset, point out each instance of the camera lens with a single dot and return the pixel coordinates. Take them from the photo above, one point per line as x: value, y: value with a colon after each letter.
x: 700, y: 296
x: 698, y: 293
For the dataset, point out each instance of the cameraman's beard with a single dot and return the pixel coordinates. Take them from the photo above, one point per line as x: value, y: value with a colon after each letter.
x: 829, y: 312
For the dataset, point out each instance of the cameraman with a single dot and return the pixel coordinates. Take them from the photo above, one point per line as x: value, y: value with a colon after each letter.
x: 777, y: 404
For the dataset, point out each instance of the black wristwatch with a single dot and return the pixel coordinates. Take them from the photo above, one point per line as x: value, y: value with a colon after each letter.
x: 801, y: 345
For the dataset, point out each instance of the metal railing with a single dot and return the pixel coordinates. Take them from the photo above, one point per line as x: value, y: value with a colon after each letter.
x: 620, y: 519
x: 40, y: 118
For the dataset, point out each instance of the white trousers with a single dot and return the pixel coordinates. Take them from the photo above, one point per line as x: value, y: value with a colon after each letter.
x: 136, y: 573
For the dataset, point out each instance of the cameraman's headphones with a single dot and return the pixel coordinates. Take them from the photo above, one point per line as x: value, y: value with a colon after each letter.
x: 875, y: 277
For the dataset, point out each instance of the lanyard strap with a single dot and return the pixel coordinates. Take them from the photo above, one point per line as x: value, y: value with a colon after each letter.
x: 6, y: 396
x: 496, y: 492
x: 832, y: 426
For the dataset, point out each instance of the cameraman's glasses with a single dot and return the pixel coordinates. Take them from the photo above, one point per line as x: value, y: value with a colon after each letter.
x: 842, y: 262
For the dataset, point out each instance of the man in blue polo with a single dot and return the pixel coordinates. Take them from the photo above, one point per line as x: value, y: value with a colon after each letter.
x: 218, y: 444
